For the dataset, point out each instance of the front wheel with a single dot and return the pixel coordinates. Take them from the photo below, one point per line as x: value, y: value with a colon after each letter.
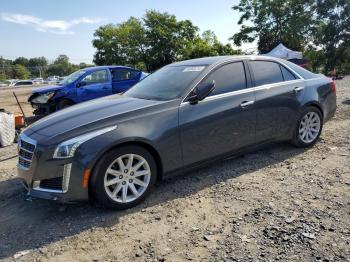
x: 64, y: 103
x: 124, y: 177
x: 308, y: 128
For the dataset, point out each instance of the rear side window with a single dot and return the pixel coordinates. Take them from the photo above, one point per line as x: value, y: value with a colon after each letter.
x: 301, y: 71
x: 228, y: 78
x: 266, y: 72
x: 124, y: 74
x: 287, y: 75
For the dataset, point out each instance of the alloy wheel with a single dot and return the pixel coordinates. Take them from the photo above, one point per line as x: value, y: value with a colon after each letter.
x: 309, y: 127
x: 127, y: 178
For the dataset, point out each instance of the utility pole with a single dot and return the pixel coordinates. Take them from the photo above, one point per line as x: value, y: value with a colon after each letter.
x: 3, y: 65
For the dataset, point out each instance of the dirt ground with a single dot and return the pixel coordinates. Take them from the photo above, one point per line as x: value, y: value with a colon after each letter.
x: 280, y: 203
x: 8, y: 101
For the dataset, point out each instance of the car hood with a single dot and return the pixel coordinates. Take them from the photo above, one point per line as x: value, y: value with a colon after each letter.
x: 46, y: 89
x: 90, y: 115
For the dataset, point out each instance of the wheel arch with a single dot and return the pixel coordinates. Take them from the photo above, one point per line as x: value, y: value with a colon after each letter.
x: 60, y: 98
x: 314, y: 104
x: 143, y: 144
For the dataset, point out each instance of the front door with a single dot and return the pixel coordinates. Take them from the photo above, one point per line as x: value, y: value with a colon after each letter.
x: 222, y: 122
x: 95, y: 84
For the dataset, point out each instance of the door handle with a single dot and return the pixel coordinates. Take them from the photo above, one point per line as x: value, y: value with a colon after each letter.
x: 246, y: 103
x: 298, y: 89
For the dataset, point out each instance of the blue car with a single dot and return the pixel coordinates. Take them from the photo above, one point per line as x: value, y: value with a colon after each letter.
x: 84, y: 85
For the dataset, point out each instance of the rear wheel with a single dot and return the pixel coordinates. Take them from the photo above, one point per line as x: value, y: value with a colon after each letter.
x: 309, y: 127
x: 124, y: 178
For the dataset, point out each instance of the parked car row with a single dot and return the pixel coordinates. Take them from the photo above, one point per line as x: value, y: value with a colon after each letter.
x: 183, y: 116
x: 31, y: 82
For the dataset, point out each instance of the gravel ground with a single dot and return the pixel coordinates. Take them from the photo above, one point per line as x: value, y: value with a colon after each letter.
x: 280, y: 203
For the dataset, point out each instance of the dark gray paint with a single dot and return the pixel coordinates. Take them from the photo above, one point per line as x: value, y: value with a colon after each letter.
x: 179, y: 134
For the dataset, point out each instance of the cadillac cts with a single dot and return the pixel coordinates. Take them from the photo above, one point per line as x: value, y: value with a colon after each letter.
x: 185, y: 115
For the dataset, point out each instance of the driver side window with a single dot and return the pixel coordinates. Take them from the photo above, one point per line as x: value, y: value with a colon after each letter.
x: 228, y: 78
x: 99, y: 76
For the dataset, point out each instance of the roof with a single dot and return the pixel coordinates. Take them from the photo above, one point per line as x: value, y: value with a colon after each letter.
x: 218, y: 59
x: 106, y: 67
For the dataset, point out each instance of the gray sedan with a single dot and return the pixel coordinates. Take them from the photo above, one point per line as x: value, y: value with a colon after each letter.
x: 183, y: 116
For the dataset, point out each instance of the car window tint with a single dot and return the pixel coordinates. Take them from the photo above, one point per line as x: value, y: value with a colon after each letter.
x: 301, y: 71
x: 123, y: 74
x: 99, y: 76
x: 287, y: 75
x: 228, y: 78
x: 266, y: 72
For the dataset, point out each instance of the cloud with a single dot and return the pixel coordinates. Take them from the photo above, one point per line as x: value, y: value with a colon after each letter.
x: 61, y: 27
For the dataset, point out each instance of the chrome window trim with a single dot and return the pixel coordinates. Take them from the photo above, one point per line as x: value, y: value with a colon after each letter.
x: 267, y: 86
x: 246, y: 90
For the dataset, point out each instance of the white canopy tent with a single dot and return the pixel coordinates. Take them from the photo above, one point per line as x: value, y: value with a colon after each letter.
x: 283, y: 52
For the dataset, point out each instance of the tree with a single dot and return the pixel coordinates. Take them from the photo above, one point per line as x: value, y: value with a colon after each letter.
x: 120, y: 44
x: 20, y: 72
x: 274, y: 21
x: 166, y: 38
x: 332, y: 32
x: 2, y: 77
x: 21, y: 61
x: 61, y: 66
x: 154, y: 41
x: 208, y: 45
x: 37, y: 66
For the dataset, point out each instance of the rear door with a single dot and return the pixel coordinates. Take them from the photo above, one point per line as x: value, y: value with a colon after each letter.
x: 95, y: 84
x: 222, y: 122
x: 279, y: 92
x: 124, y: 78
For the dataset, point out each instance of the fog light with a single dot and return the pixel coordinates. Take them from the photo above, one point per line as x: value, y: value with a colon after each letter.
x: 66, y: 176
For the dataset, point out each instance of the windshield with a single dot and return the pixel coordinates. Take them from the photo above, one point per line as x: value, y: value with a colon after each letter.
x: 165, y: 84
x: 72, y: 77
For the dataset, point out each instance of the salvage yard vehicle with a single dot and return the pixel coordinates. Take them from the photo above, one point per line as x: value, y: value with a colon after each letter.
x: 183, y: 116
x: 83, y: 85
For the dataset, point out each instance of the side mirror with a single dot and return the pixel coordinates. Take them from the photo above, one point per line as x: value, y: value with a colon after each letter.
x: 80, y: 84
x: 201, y: 92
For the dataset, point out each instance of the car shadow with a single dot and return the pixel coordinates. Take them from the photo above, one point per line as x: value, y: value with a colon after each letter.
x: 29, y: 224
x: 346, y: 102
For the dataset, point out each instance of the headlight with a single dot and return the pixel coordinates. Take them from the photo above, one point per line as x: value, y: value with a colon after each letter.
x: 67, y: 148
x: 43, y: 98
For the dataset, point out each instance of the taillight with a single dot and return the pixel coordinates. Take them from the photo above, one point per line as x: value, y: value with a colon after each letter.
x: 333, y: 88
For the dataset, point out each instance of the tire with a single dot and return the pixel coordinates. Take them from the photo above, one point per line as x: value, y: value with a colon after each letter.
x: 64, y: 103
x: 308, y: 127
x: 108, y: 188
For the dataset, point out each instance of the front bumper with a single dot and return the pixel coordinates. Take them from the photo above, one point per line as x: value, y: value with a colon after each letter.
x: 43, y: 109
x: 47, y: 178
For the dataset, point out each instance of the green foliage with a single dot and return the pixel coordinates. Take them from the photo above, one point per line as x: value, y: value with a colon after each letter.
x: 166, y: 38
x: 20, y: 72
x: 154, y: 41
x: 61, y: 66
x: 208, y: 45
x: 273, y: 22
x: 2, y: 77
x: 21, y: 61
x: 332, y: 31
x: 120, y: 44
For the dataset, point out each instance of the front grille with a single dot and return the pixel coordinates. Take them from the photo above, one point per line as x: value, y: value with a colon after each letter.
x: 25, y: 151
x: 52, y: 183
x: 27, y: 146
